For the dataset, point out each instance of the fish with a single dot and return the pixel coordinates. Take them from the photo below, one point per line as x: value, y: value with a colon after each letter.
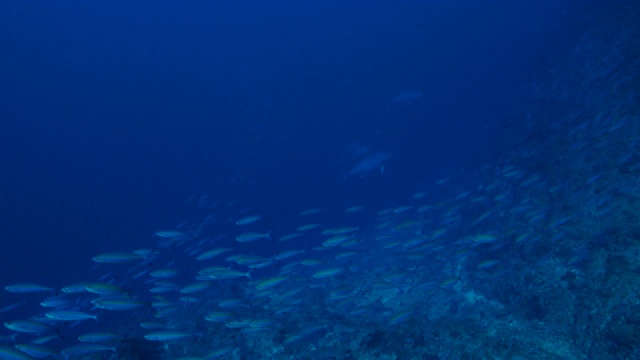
x: 218, y: 316
x: 165, y: 312
x: 170, y: 234
x: 312, y: 211
x: 271, y: 282
x: 487, y: 264
x: 116, y: 257
x: 220, y: 351
x: 212, y: 253
x: 400, y: 317
x: 253, y: 236
x: 307, y: 227
x: 248, y: 219
x: 44, y: 339
x: 117, y: 303
x: 69, y: 315
x: 311, y: 262
x: 13, y: 354
x: 211, y: 269
x: 369, y: 163
x: 344, y: 255
x: 401, y: 209
x: 288, y: 254
x: 164, y: 273
x: 195, y: 287
x: 152, y: 325
x: 261, y: 323
x: 27, y: 288
x: 289, y: 237
x: 56, y: 301
x: 12, y: 306
x: 228, y: 274
x: 145, y: 252
x: 99, y: 337
x: 419, y: 195
x: 159, y: 304
x: 167, y: 335
x: 354, y: 208
x: 336, y: 240
x: 484, y: 238
x: 339, y: 231
x: 250, y: 259
x: 104, y: 289
x: 237, y: 324
x: 35, y: 350
x: 303, y: 333
x: 442, y: 181
x: 27, y: 326
x: 76, y: 288
x: 327, y: 273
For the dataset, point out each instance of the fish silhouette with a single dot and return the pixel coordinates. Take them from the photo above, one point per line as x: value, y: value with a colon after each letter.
x: 368, y: 163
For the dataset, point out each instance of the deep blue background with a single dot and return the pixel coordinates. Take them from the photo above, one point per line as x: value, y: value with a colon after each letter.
x: 114, y: 113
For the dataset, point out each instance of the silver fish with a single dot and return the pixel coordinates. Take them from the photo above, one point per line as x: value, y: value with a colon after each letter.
x: 369, y: 163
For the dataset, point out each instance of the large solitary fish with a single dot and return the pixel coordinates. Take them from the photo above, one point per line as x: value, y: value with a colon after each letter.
x: 369, y: 163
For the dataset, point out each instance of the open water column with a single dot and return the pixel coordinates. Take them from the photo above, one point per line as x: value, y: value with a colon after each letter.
x: 205, y: 217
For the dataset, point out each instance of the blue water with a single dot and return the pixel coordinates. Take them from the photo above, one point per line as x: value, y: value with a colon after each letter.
x: 120, y: 120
